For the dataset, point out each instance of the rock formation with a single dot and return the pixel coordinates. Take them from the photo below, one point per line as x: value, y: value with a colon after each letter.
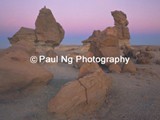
x: 47, y: 34
x: 130, y: 67
x: 144, y: 57
x: 121, y: 23
x: 157, y: 61
x: 47, y: 29
x: 16, y: 71
x: 107, y: 43
x: 84, y: 95
x: 25, y: 34
x: 114, y: 68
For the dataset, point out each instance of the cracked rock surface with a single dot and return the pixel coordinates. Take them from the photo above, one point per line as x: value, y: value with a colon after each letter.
x: 84, y: 95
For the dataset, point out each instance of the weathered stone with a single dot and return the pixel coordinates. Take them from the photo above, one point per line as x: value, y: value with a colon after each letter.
x: 47, y: 29
x: 110, y: 51
x: 24, y: 34
x: 76, y: 64
x: 82, y: 96
x: 114, y: 68
x: 51, y: 53
x: 47, y: 34
x: 79, y: 64
x: 94, y: 35
x: 123, y: 35
x: 94, y: 49
x: 87, y: 68
x: 120, y: 18
x: 122, y: 32
x: 107, y: 43
x: 157, y: 61
x: 121, y: 23
x: 130, y: 67
x: 148, y: 48
x: 16, y: 71
x: 144, y: 57
x: 129, y: 51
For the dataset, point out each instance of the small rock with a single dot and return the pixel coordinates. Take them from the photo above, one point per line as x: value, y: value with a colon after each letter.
x: 130, y: 67
x: 144, y: 57
x: 114, y: 68
x: 157, y: 61
x: 148, y: 48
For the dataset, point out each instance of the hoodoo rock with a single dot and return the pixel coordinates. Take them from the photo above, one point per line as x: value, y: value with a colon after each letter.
x: 121, y: 23
x: 47, y: 34
x: 120, y: 18
x: 84, y: 95
x: 107, y: 43
x: 47, y: 29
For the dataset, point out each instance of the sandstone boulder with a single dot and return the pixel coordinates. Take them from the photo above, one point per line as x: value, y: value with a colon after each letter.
x: 114, y: 68
x: 94, y: 35
x: 78, y: 64
x: 88, y: 68
x: 130, y: 51
x: 110, y: 51
x: 16, y: 71
x: 51, y: 53
x: 107, y: 43
x: 144, y: 57
x: 148, y: 48
x: 130, y: 67
x: 47, y: 29
x: 24, y: 34
x: 120, y: 18
x: 157, y: 61
x: 47, y: 34
x: 84, y: 95
x: 121, y: 23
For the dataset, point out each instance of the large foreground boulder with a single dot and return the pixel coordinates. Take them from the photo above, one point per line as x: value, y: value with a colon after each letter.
x: 84, y: 95
x: 16, y: 71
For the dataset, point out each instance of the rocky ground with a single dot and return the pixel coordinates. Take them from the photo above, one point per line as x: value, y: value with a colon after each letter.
x: 133, y: 96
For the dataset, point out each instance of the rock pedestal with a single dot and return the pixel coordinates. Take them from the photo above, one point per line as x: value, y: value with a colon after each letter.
x: 121, y: 23
x: 47, y: 29
x: 47, y: 34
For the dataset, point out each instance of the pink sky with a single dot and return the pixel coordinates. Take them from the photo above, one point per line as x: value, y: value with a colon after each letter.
x: 81, y: 16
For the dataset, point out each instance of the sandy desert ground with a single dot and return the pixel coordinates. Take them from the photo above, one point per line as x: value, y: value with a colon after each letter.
x: 132, y: 96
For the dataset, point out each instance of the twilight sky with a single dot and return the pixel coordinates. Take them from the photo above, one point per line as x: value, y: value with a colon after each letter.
x: 80, y: 17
